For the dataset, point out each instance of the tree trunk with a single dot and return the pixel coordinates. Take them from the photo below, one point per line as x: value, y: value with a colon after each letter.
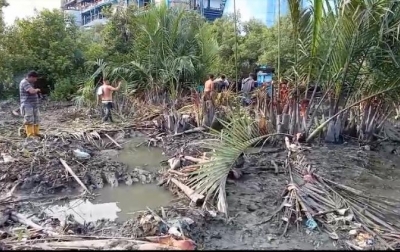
x: 208, y: 113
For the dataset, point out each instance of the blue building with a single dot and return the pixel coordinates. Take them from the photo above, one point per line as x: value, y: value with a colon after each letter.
x: 88, y: 12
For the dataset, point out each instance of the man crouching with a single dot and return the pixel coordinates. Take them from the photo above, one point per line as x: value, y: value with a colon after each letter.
x: 29, y: 100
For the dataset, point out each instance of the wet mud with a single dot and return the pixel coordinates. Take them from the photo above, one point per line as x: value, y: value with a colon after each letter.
x: 37, y: 170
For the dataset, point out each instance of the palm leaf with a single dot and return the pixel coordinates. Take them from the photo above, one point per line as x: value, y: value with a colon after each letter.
x: 240, y: 133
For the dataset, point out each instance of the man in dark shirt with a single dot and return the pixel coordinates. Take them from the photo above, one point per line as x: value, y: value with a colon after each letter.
x: 30, y: 104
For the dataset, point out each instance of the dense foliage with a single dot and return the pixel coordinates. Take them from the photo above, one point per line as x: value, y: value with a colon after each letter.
x: 156, y: 49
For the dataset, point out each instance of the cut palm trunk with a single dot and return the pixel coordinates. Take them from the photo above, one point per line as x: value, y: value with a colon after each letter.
x: 190, y: 193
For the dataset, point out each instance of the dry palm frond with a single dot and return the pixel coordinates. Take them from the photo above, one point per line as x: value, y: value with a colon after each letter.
x: 238, y: 134
x: 92, y: 138
x: 335, y: 206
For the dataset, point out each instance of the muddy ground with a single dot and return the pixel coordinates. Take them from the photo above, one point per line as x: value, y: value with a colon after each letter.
x: 38, y: 172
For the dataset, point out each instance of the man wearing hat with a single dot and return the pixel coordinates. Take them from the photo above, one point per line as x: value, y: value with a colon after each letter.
x: 29, y: 100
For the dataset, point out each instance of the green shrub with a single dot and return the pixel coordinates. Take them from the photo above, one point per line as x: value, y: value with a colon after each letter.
x: 64, y: 89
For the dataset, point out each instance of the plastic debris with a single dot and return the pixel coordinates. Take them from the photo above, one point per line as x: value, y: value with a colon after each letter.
x: 81, y: 154
x: 178, y: 225
x: 311, y: 224
x: 183, y: 223
x: 364, y: 240
x: 174, y: 231
x: 212, y: 213
x: 353, y: 232
x: 7, y: 158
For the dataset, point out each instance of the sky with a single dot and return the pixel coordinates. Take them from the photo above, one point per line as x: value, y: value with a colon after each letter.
x: 248, y: 9
x: 26, y: 8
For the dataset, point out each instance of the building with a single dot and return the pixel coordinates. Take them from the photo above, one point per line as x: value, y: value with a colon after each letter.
x: 266, y: 11
x: 87, y: 13
x: 210, y: 9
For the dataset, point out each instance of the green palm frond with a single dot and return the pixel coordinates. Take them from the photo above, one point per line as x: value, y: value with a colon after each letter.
x: 240, y: 132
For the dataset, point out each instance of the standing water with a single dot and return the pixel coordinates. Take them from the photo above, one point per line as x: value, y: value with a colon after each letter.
x: 121, y: 202
x: 137, y: 197
x: 136, y: 153
x: 131, y: 199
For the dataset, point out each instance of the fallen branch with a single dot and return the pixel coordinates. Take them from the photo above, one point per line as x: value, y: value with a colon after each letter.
x: 10, y: 193
x: 178, y: 173
x: 27, y: 222
x: 193, y: 196
x: 196, y: 160
x: 189, y: 169
x: 112, y: 140
x: 195, y: 130
x: 275, y: 166
x: 66, y: 166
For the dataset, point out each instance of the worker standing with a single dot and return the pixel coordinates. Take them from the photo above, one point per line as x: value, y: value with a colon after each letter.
x: 247, y: 87
x: 29, y: 99
x: 105, y: 92
x: 209, y: 87
x: 221, y: 83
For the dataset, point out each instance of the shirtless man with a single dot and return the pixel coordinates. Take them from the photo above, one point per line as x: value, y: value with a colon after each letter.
x: 105, y: 94
x: 209, y: 87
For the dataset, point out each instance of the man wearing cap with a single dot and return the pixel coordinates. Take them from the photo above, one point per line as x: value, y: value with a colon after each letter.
x: 29, y: 100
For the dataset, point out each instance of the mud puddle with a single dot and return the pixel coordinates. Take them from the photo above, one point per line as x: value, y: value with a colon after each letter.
x: 84, y: 211
x: 113, y: 203
x: 134, y: 198
x: 136, y: 153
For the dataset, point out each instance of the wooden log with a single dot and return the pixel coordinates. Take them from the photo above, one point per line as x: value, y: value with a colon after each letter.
x: 195, y: 197
x: 186, y: 244
x: 195, y: 160
x: 104, y: 244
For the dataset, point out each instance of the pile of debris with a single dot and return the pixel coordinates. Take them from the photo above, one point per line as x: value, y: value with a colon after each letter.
x: 148, y: 231
x: 310, y: 199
